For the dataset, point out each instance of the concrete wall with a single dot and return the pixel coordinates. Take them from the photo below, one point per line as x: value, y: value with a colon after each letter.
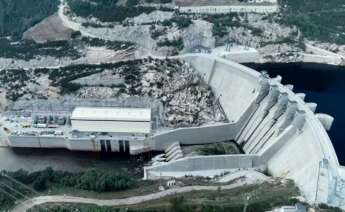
x: 24, y: 141
x: 194, y: 135
x: 37, y: 141
x: 199, y: 135
x: 198, y: 164
x: 74, y: 144
x: 85, y: 144
x: 52, y: 142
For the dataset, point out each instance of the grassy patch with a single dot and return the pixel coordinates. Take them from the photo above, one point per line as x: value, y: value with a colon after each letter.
x: 221, y: 148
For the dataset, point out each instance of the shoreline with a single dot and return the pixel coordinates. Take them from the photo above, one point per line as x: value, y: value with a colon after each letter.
x: 310, y: 65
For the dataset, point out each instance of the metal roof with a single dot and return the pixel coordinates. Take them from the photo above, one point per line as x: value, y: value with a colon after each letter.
x: 112, y: 114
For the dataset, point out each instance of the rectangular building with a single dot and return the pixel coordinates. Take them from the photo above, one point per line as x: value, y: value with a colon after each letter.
x: 227, y: 6
x: 111, y: 120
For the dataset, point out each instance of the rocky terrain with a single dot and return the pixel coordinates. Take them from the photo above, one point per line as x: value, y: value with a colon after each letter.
x: 75, y: 51
x: 50, y: 29
x: 187, y: 100
x: 158, y: 30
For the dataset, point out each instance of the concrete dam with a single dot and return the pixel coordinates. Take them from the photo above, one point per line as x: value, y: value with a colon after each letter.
x: 278, y: 131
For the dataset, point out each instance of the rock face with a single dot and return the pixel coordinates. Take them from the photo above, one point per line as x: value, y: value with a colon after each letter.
x: 186, y: 99
x: 154, y: 16
x: 139, y: 34
x: 198, y: 34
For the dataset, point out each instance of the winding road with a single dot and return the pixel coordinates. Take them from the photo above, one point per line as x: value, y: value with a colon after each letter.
x: 70, y: 24
x: 27, y: 204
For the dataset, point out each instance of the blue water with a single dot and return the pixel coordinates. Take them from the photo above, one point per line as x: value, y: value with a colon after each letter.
x: 324, y: 85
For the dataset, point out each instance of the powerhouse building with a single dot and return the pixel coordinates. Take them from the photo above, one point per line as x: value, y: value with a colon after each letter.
x: 105, y: 129
x: 278, y: 131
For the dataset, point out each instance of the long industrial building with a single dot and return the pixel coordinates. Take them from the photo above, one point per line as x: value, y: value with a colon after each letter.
x: 105, y: 129
x: 277, y: 130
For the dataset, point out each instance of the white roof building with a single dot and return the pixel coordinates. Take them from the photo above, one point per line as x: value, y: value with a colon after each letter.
x: 226, y: 6
x: 111, y: 119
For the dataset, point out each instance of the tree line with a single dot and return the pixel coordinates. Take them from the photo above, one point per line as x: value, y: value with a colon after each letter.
x: 89, y: 180
x: 108, y: 10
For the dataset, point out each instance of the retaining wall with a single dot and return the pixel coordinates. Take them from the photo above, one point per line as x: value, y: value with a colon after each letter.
x: 199, y: 135
x: 211, y: 165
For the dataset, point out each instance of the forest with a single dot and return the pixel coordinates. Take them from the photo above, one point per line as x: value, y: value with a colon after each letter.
x: 108, y: 10
x: 317, y: 19
x: 16, y: 16
x: 13, y: 185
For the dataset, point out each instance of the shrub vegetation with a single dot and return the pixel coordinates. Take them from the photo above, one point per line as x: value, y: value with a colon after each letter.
x: 317, y: 19
x: 90, y: 180
x: 107, y: 10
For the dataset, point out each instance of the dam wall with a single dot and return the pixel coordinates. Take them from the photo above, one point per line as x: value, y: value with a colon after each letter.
x: 235, y: 86
x: 281, y: 128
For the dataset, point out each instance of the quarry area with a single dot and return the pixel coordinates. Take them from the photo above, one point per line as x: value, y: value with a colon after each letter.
x: 143, y: 105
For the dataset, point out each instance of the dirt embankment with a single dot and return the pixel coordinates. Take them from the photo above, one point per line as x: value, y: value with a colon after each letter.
x: 50, y: 29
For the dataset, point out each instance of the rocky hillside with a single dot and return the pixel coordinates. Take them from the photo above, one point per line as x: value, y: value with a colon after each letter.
x: 186, y: 99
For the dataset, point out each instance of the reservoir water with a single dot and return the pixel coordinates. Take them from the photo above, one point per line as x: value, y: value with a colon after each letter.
x: 322, y: 84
